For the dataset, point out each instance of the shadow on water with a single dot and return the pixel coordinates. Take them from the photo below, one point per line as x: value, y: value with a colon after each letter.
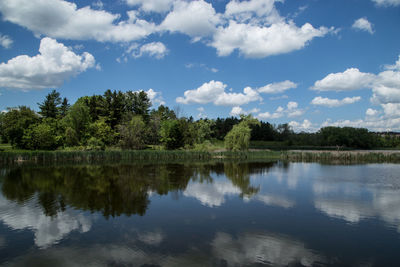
x: 118, y: 189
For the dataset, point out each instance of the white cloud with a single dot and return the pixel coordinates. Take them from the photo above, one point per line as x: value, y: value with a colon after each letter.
x: 330, y: 103
x: 211, y: 194
x: 238, y: 99
x: 387, y: 3
x: 206, y: 93
x: 246, y: 10
x: 276, y: 88
x: 396, y: 66
x: 159, y: 6
x: 47, y: 230
x: 236, y: 111
x: 363, y: 24
x: 276, y: 115
x: 351, y: 79
x: 305, y: 126
x: 386, y: 88
x: 214, y: 92
x: 371, y: 112
x: 381, y: 123
x: 62, y: 19
x: 391, y: 109
x: 194, y: 18
x: 5, y: 41
x: 50, y: 68
x: 292, y: 105
x: 291, y: 111
x: 155, y: 97
x: 257, y: 41
x: 154, y: 49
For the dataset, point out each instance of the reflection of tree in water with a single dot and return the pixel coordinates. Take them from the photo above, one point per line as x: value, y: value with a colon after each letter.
x: 239, y: 175
x: 115, y: 189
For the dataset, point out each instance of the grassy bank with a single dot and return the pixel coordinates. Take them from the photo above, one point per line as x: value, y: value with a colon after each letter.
x: 9, y: 157
x: 342, y: 156
x: 112, y: 156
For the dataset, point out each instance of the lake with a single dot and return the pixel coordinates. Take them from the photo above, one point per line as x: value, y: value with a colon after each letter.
x: 200, y: 214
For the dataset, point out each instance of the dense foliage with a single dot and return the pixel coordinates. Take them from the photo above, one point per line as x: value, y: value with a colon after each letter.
x: 126, y: 120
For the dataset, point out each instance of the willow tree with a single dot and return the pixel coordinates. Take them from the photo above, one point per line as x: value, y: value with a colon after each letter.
x: 239, y: 137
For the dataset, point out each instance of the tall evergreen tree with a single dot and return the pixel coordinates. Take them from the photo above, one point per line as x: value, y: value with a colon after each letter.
x: 50, y: 106
x: 64, y: 107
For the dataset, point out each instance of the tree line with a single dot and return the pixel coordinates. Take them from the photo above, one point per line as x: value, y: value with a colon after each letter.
x: 127, y: 121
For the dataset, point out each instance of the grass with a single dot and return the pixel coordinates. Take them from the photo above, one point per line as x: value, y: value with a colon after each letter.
x: 208, y: 151
x: 127, y: 155
x: 343, y: 156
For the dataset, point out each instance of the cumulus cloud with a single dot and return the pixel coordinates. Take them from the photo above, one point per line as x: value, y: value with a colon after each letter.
x: 211, y: 194
x: 330, y: 103
x: 253, y: 10
x: 277, y: 88
x: 155, y: 49
x: 237, y: 99
x: 305, y: 126
x: 50, y: 68
x: 156, y: 98
x: 206, y: 93
x: 387, y: 3
x: 47, y: 230
x: 236, y: 111
x: 159, y: 6
x: 363, y: 24
x: 371, y: 112
x: 257, y: 41
x: 351, y: 79
x: 214, y: 92
x: 386, y: 88
x: 195, y: 18
x: 5, y: 41
x: 292, y: 110
x: 385, y: 85
x: 62, y: 19
x: 391, y: 109
x: 253, y: 27
x: 380, y: 124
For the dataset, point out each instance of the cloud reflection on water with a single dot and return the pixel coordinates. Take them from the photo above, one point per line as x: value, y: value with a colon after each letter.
x: 47, y: 230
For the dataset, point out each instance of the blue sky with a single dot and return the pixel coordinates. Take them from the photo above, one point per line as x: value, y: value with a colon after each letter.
x: 310, y: 63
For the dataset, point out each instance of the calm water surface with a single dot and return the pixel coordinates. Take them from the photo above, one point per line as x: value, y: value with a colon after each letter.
x: 205, y: 214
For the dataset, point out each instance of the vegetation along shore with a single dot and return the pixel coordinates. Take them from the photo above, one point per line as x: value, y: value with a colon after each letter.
x: 122, y: 125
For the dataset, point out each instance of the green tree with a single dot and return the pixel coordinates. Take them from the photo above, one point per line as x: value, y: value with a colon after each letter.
x: 203, y: 130
x: 50, y: 107
x: 41, y: 136
x: 138, y: 103
x: 171, y: 134
x: 239, y: 137
x: 3, y: 137
x: 133, y: 133
x: 77, y: 124
x: 102, y: 132
x: 15, y: 121
x: 64, y: 107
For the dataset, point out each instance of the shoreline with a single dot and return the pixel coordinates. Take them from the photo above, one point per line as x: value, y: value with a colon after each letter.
x: 18, y: 157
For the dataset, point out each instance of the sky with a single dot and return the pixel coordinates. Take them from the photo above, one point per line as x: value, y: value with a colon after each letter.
x: 309, y: 63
